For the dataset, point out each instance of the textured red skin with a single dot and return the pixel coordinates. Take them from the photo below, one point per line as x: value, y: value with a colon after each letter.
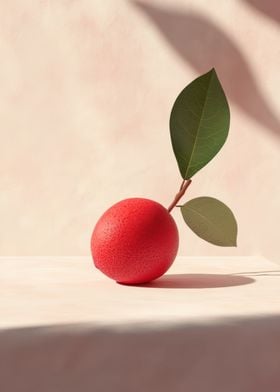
x: 135, y: 241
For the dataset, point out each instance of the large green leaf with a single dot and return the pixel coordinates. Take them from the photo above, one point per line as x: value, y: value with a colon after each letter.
x: 211, y: 220
x: 199, y: 123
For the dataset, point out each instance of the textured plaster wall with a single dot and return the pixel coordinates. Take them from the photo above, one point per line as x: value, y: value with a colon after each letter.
x: 86, y: 89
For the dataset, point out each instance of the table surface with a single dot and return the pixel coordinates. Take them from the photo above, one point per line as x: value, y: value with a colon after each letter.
x: 44, y: 291
x: 210, y: 324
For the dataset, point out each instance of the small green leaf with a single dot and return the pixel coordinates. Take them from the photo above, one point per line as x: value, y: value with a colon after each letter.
x: 211, y: 220
x: 199, y: 123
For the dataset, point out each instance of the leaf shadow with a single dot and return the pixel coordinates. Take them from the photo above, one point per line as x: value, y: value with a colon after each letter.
x: 198, y: 281
x: 270, y: 8
x: 261, y: 273
x: 203, y: 45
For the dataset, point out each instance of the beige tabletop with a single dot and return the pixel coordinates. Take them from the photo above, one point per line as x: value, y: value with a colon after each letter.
x: 212, y: 324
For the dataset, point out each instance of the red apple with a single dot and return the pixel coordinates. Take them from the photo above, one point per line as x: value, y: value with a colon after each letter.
x: 135, y: 241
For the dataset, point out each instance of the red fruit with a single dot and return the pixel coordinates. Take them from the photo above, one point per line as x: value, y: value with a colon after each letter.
x: 135, y: 241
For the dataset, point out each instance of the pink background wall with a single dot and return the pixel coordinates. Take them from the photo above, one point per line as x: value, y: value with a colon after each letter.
x: 86, y: 89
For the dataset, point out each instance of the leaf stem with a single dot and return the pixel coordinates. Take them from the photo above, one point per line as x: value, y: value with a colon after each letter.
x: 184, y: 186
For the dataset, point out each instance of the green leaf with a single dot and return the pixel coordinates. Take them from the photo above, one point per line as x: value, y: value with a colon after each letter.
x: 211, y: 220
x: 199, y: 123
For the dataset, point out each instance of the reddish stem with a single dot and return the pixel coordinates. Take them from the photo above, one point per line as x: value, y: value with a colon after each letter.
x: 184, y: 186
